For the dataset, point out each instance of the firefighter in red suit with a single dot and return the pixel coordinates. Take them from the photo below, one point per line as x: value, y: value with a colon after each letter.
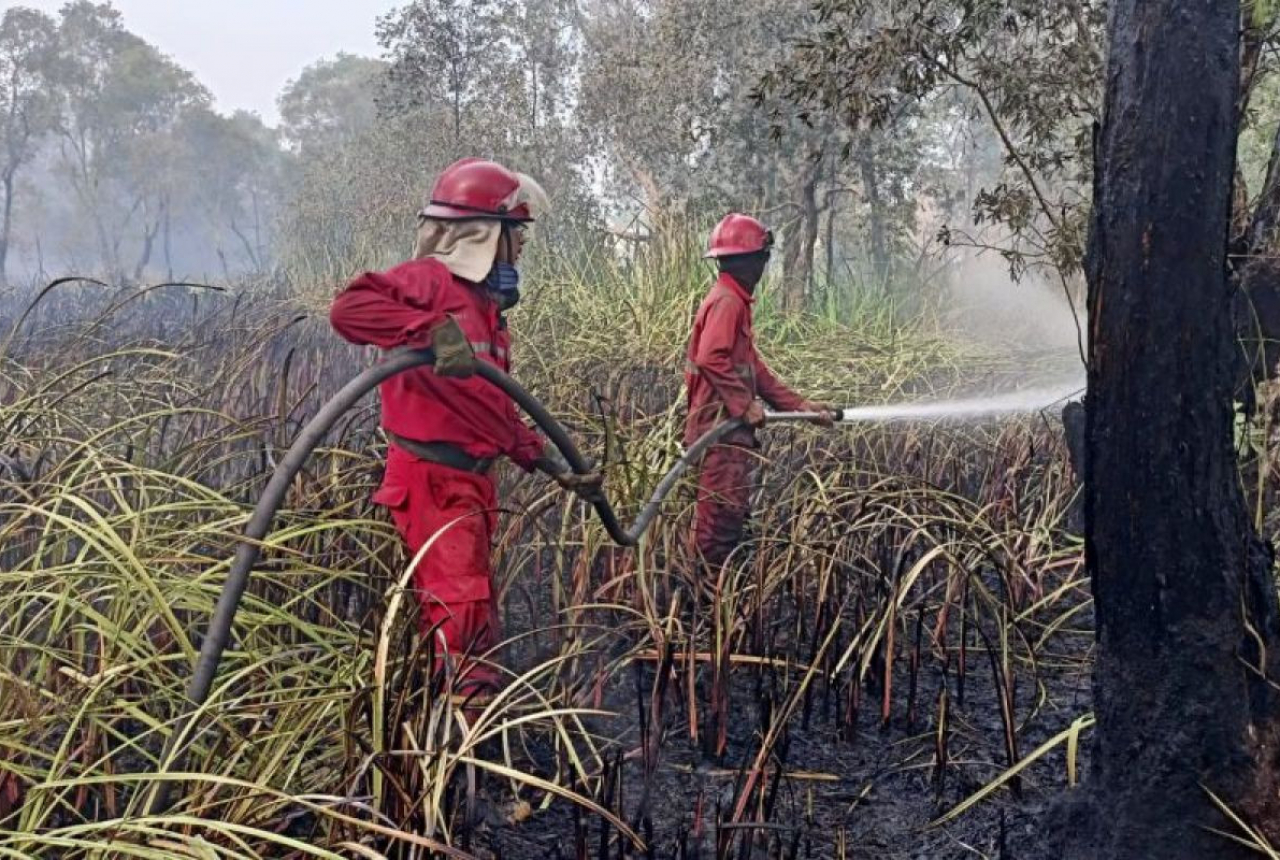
x: 446, y: 427
x: 726, y: 378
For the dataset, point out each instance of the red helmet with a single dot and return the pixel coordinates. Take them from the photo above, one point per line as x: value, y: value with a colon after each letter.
x: 739, y: 234
x: 475, y: 188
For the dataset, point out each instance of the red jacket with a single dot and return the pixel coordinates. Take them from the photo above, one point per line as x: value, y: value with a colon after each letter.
x: 724, y: 373
x: 399, y: 307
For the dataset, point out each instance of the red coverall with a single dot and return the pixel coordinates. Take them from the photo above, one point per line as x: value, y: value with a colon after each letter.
x: 723, y: 374
x: 453, y: 580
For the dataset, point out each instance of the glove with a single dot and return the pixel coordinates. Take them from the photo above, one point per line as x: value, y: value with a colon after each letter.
x: 827, y: 415
x: 454, y: 356
x: 754, y: 416
x: 553, y: 464
x: 589, y: 487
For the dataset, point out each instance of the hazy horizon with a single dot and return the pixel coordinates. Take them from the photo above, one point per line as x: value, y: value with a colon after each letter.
x: 236, y: 48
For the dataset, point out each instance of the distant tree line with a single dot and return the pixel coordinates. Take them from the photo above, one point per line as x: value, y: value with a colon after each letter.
x: 644, y: 118
x: 870, y: 134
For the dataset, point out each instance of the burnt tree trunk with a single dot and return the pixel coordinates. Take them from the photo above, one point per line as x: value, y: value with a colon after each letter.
x: 1184, y: 599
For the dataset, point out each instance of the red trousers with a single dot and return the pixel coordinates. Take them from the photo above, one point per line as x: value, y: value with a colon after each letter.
x: 456, y: 512
x: 724, y: 501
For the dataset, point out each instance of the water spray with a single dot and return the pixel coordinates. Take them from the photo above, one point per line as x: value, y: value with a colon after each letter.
x: 247, y: 551
x: 1013, y: 403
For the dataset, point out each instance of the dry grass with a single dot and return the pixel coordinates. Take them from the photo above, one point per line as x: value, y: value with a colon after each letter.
x: 139, y: 428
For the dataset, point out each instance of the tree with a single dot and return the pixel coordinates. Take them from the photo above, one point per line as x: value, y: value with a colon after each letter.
x: 444, y: 54
x: 490, y: 79
x: 1032, y: 72
x: 544, y: 37
x: 670, y: 94
x: 229, y: 180
x: 120, y: 100
x: 1187, y: 628
x: 352, y: 207
x: 332, y: 101
x: 28, y: 76
x: 1030, y: 68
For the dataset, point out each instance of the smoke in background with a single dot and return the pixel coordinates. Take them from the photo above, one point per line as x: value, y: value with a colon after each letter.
x: 1029, y: 318
x: 1032, y: 314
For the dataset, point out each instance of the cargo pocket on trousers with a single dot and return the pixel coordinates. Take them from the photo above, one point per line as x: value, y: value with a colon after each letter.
x: 395, y: 498
x: 459, y: 569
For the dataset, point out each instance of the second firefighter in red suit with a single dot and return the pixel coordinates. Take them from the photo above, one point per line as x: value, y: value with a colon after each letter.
x: 726, y: 378
x: 446, y: 427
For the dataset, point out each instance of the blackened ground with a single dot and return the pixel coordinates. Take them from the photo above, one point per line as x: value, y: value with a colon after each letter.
x: 871, y: 796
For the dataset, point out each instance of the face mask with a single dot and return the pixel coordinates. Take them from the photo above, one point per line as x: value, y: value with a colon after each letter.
x: 504, y: 282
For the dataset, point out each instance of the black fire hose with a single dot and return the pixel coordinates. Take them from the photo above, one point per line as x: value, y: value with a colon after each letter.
x: 219, y: 632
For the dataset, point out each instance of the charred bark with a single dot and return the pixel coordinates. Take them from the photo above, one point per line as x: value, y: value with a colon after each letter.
x: 1184, y: 599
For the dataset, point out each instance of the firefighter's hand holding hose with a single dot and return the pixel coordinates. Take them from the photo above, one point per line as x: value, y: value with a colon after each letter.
x: 826, y: 415
x: 815, y: 413
x: 589, y: 487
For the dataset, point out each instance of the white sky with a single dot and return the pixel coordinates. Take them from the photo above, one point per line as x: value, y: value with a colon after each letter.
x: 244, y: 51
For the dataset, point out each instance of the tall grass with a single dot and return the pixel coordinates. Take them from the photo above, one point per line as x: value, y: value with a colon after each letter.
x: 140, y: 428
